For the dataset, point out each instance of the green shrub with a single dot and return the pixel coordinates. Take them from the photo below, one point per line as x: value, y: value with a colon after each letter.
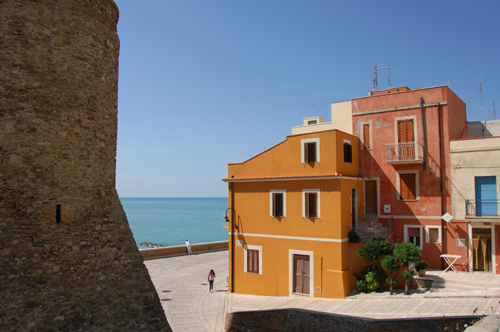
x: 407, y: 252
x: 370, y: 279
x: 391, y: 265
x: 375, y: 250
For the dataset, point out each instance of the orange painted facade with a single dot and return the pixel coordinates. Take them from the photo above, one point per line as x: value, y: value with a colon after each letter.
x: 280, y: 243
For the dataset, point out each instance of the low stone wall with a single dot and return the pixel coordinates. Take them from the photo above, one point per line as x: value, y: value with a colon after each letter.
x: 303, y: 320
x: 181, y: 250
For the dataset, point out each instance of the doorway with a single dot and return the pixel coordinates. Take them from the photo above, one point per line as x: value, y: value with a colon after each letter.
x: 354, y: 208
x: 371, y: 197
x: 301, y: 272
x: 481, y: 249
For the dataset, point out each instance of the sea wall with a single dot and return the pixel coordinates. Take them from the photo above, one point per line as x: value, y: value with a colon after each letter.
x: 68, y: 260
x: 285, y: 320
x: 182, y: 250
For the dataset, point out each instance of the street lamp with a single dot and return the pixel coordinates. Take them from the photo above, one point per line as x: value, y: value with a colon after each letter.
x: 226, y: 218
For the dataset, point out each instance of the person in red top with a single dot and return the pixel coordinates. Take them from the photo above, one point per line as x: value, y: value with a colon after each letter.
x: 211, y: 278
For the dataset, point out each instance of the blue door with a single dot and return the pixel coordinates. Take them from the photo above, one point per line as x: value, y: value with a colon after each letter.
x: 486, y: 196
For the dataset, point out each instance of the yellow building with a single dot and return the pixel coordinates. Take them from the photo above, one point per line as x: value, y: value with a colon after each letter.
x: 290, y: 210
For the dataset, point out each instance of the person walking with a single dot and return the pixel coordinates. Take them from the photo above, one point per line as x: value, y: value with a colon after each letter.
x: 188, y: 246
x: 211, y: 278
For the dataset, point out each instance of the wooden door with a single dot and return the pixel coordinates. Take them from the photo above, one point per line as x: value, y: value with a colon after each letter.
x: 406, y: 136
x: 301, y: 270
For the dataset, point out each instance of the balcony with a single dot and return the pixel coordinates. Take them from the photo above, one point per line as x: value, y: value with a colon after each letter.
x: 482, y: 210
x: 404, y: 153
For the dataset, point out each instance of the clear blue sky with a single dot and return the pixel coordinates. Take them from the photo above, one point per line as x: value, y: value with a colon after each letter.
x: 206, y: 83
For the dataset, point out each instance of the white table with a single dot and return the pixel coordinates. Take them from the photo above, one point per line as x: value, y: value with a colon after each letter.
x: 450, y: 260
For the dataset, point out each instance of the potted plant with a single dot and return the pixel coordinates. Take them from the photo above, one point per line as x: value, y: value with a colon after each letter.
x: 353, y: 237
x: 421, y: 267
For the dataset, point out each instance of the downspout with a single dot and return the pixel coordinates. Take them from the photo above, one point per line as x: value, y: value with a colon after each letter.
x: 231, y: 210
x: 424, y: 129
x: 443, y: 168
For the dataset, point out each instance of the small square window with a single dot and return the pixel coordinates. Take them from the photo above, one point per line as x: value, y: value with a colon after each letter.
x: 408, y: 186
x: 278, y: 203
x: 413, y: 234
x: 310, y: 150
x: 366, y: 136
x: 252, y: 261
x: 433, y: 234
x: 311, y: 203
x: 347, y: 152
x: 461, y: 243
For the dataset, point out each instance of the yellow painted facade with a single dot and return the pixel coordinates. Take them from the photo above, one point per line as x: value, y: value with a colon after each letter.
x: 285, y: 245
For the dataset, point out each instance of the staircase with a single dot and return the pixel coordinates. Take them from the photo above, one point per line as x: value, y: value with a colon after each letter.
x: 369, y: 228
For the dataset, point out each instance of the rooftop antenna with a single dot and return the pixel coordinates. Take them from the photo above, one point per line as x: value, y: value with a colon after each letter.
x: 481, y: 91
x: 494, y: 111
x: 375, y: 80
x: 375, y: 75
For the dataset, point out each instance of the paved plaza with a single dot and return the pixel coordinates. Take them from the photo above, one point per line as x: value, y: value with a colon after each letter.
x: 181, y: 283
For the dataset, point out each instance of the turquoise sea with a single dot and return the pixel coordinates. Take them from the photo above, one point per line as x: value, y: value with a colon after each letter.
x: 172, y: 221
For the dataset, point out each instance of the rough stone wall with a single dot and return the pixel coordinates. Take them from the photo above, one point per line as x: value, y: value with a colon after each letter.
x: 286, y: 320
x: 68, y: 261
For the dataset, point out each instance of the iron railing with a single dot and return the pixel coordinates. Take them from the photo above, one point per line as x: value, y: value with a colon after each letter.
x: 482, y: 208
x: 404, y: 152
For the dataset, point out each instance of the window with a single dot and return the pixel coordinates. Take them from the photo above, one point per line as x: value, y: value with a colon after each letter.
x: 461, y: 243
x: 253, y: 259
x: 366, y: 136
x: 405, y: 131
x: 406, y: 136
x: 311, y: 203
x: 347, y: 152
x: 413, y: 234
x: 311, y: 122
x: 433, y: 234
x: 310, y: 150
x: 408, y: 187
x: 278, y: 203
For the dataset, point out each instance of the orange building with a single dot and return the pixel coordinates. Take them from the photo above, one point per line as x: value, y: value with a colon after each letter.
x: 291, y: 210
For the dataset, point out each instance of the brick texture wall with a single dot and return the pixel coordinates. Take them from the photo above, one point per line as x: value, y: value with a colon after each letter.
x: 68, y: 260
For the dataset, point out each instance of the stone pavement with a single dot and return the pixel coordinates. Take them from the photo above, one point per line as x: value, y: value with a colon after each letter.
x: 181, y: 283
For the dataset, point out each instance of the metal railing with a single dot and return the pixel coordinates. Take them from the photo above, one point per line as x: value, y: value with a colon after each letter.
x: 404, y: 152
x: 482, y: 208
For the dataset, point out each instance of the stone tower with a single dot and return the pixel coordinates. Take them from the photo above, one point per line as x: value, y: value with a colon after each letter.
x: 68, y: 261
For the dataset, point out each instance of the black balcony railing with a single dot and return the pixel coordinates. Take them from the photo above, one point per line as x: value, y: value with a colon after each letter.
x: 404, y: 153
x: 482, y: 208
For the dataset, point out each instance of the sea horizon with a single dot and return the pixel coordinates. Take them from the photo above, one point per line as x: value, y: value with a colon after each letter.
x: 170, y: 221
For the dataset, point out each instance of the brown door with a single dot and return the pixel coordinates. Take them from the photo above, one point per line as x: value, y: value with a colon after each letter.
x: 371, y: 197
x: 301, y: 273
x: 406, y: 135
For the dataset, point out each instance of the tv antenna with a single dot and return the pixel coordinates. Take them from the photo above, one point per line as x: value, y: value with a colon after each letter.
x: 375, y: 75
x: 494, y: 111
x: 481, y: 92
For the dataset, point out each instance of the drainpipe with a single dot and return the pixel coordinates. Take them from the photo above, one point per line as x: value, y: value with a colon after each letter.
x: 424, y: 129
x: 231, y: 210
x: 443, y: 169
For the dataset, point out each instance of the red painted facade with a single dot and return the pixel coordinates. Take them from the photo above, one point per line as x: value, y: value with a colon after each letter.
x: 412, y: 179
